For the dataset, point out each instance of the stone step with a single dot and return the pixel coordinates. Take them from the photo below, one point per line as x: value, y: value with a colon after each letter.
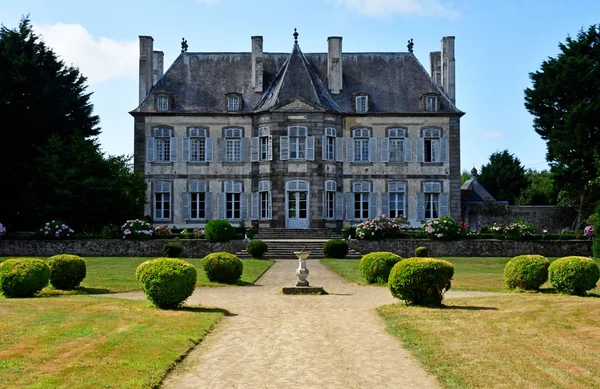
x: 296, y: 233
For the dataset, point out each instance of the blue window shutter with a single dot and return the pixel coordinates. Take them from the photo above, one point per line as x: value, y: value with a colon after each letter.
x: 150, y: 149
x: 444, y: 204
x: 245, y: 149
x: 244, y: 206
x: 185, y: 149
x: 310, y: 148
x: 221, y: 146
x: 324, y: 148
x: 284, y: 147
x: 270, y: 209
x: 372, y: 149
x: 373, y: 197
x: 385, y: 204
x: 209, y: 150
x: 349, y: 150
x: 421, y: 152
x: 221, y: 205
x: 270, y: 142
x: 385, y: 149
x: 185, y: 206
x: 339, y: 206
x: 407, y: 150
x: 421, y: 206
x: 255, y: 206
x: 444, y: 150
x: 349, y: 206
x: 255, y: 149
x: 339, y: 149
x: 324, y: 193
x: 174, y: 146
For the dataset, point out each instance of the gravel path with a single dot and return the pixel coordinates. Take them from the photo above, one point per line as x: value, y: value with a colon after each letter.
x: 272, y: 340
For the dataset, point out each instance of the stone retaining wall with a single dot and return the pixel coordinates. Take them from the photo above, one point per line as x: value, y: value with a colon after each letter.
x: 476, y: 247
x: 192, y: 248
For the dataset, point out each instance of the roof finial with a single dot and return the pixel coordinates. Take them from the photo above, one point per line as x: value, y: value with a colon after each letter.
x: 410, y: 45
x: 474, y: 172
x: 184, y: 45
x: 295, y: 37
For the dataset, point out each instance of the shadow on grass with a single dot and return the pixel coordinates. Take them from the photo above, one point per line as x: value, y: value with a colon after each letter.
x: 51, y: 292
x: 467, y: 308
x: 197, y: 309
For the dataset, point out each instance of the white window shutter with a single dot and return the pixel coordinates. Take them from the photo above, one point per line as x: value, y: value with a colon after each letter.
x: 284, y: 147
x: 435, y: 144
x: 349, y: 150
x: 310, y: 148
x: 228, y: 187
x: 245, y: 149
x: 421, y: 151
x: 385, y: 204
x: 324, y: 194
x: 209, y: 150
x: 185, y: 149
x: 373, y: 197
x: 339, y: 149
x: 444, y: 150
x: 221, y: 145
x: 208, y: 205
x: 270, y: 207
x: 244, y: 206
x: 150, y: 149
x: 420, y: 206
x: 385, y: 149
x: 255, y: 206
x: 173, y: 145
x: 349, y: 206
x: 324, y: 148
x: 185, y: 206
x: 372, y: 149
x: 255, y: 149
x: 407, y: 150
x: 444, y: 211
x: 270, y: 141
x: 221, y: 203
x: 339, y: 206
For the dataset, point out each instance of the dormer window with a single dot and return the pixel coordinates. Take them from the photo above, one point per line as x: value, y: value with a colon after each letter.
x: 162, y: 103
x: 234, y: 103
x: 431, y: 103
x: 361, y: 103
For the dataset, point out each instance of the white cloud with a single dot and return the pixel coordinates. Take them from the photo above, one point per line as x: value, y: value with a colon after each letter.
x: 493, y: 134
x: 387, y: 8
x: 100, y: 59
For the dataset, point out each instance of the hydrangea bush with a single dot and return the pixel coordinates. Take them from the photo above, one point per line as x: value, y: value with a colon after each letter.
x: 56, y: 230
x: 136, y: 229
x: 162, y: 230
x: 587, y: 231
x: 518, y: 230
x: 380, y: 227
x: 2, y: 230
x: 443, y: 228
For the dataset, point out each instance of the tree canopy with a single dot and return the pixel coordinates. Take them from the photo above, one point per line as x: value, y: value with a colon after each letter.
x: 540, y: 189
x: 52, y: 166
x: 565, y: 101
x: 503, y: 176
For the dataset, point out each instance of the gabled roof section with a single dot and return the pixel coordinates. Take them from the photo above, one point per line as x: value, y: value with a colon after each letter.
x: 475, y: 192
x: 297, y: 79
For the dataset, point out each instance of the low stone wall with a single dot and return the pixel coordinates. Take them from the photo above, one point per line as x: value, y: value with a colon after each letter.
x: 476, y: 247
x: 192, y: 248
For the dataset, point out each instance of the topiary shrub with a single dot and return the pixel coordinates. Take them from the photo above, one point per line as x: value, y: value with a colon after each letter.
x: 23, y: 277
x: 222, y: 267
x: 257, y: 248
x: 573, y: 275
x: 421, y: 251
x: 172, y: 249
x: 526, y: 272
x: 66, y: 271
x: 335, y: 248
x: 167, y: 282
x: 375, y: 267
x: 421, y: 281
x: 219, y: 230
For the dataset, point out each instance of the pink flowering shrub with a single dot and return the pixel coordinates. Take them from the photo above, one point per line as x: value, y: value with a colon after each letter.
x: 587, y: 231
x: 518, y: 230
x: 2, y: 230
x: 162, y: 230
x: 443, y: 228
x: 380, y: 227
x: 136, y: 229
x: 55, y: 230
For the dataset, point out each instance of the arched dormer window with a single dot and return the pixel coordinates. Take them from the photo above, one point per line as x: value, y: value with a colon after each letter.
x: 361, y: 102
x: 162, y: 102
x: 430, y: 102
x: 234, y: 102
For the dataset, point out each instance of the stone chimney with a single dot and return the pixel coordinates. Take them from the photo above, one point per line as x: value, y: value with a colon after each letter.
x: 146, y: 69
x: 435, y: 63
x: 334, y: 64
x: 257, y: 63
x: 158, y: 60
x: 448, y: 68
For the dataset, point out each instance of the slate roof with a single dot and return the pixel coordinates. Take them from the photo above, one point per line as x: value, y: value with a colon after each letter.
x: 198, y: 82
x: 474, y: 192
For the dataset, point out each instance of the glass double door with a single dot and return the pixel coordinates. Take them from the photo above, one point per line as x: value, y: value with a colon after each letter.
x: 297, y: 209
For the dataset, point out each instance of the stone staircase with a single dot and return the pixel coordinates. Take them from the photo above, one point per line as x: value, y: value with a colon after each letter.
x: 285, y: 248
x: 296, y: 233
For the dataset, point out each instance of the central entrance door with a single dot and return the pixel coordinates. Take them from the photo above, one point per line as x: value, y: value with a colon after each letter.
x: 297, y: 204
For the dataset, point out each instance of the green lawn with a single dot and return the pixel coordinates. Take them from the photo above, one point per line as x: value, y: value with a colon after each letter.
x: 94, y: 342
x: 117, y: 274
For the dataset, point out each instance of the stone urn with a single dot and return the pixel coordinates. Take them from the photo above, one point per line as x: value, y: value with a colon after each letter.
x: 302, y: 271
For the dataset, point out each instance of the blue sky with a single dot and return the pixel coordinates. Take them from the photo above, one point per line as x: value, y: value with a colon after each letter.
x: 497, y: 44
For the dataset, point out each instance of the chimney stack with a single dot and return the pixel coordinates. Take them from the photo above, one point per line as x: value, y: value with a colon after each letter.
x: 146, y: 70
x: 334, y: 64
x: 257, y: 63
x: 448, y: 68
x: 158, y: 66
x: 435, y: 63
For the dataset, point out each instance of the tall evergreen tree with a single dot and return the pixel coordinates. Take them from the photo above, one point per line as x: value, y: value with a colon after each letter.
x: 504, y: 176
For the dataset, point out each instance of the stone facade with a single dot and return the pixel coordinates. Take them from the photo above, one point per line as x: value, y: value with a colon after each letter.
x: 282, y: 141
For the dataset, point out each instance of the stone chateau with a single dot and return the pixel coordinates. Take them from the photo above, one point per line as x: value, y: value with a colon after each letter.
x: 298, y: 140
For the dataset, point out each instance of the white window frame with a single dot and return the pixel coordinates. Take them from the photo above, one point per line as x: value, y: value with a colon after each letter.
x: 431, y: 103
x: 298, y: 136
x: 162, y: 103
x: 233, y: 103
x: 198, y: 144
x: 233, y: 200
x: 361, y: 104
x: 397, y: 195
x: 162, y: 195
x: 432, y: 145
x: 233, y: 145
x: 362, y: 195
x: 199, y: 190
x: 329, y: 203
x: 265, y: 200
x: 432, y: 204
x: 163, y: 136
x: 265, y: 144
x: 361, y: 137
x: 397, y: 144
x: 329, y: 144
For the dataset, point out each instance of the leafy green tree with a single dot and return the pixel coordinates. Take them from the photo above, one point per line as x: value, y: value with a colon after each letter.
x: 504, y: 176
x: 540, y: 190
x: 565, y: 101
x: 464, y: 176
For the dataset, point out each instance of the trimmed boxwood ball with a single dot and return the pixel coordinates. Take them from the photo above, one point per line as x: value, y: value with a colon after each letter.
x: 335, y: 248
x: 23, y: 277
x: 376, y: 266
x: 526, y: 272
x: 66, y: 271
x: 167, y: 282
x: 219, y: 230
x: 421, y: 251
x: 573, y: 275
x: 421, y: 281
x: 172, y: 249
x: 222, y: 267
x: 257, y: 248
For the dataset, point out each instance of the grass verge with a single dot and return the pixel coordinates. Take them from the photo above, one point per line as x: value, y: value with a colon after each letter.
x: 94, y: 342
x: 517, y: 340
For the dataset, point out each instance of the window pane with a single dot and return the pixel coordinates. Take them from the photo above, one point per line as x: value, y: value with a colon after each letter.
x: 197, y: 149
x: 233, y: 152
